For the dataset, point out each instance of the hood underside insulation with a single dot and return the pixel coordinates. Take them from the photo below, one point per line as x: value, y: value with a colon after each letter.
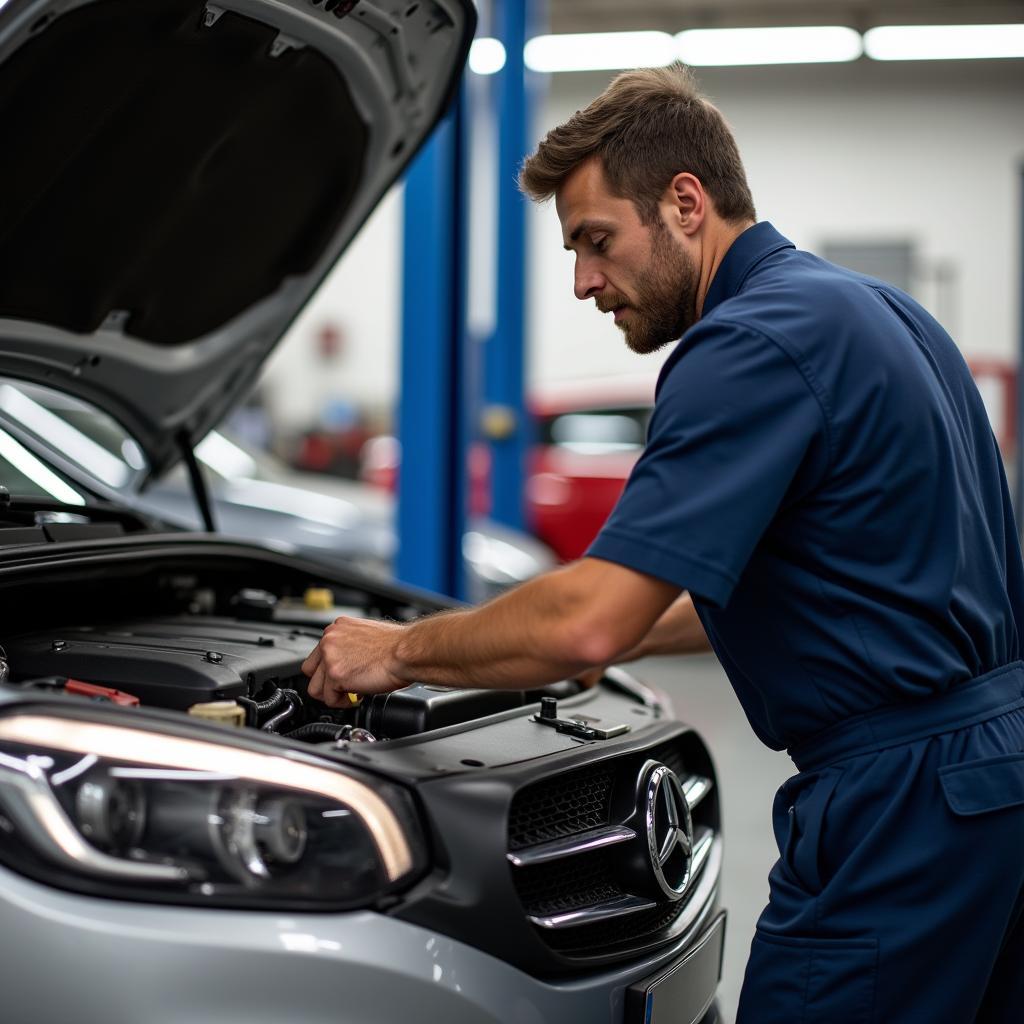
x: 166, y: 172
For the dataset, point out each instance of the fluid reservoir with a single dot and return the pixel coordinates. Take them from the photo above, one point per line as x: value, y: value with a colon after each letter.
x: 224, y: 712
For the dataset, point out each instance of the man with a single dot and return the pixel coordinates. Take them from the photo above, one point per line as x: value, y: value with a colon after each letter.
x: 822, y: 491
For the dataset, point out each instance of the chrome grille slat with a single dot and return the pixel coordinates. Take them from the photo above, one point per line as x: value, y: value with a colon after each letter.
x: 695, y: 788
x: 598, y: 912
x: 702, y: 842
x: 584, y: 842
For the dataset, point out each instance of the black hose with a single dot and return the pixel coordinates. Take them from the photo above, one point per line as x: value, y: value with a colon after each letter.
x: 272, y: 703
x: 294, y: 705
x: 318, y: 730
x: 252, y: 717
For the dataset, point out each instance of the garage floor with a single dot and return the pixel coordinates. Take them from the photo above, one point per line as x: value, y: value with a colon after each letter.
x: 749, y: 773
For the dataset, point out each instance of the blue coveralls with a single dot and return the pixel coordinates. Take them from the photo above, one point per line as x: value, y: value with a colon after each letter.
x: 821, y: 475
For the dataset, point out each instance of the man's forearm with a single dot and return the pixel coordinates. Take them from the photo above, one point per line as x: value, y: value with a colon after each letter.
x: 428, y: 652
x: 515, y: 640
x: 584, y: 614
x: 547, y: 629
x: 678, y: 631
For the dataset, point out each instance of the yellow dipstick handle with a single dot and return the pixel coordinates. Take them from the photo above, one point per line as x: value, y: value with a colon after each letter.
x: 320, y: 599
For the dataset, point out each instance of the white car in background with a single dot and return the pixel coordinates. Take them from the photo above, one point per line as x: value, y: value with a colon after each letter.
x: 253, y: 494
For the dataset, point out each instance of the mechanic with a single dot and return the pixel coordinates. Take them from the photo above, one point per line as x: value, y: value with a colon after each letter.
x: 820, y: 498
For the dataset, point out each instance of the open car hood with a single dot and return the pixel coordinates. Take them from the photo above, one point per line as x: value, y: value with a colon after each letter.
x: 179, y: 176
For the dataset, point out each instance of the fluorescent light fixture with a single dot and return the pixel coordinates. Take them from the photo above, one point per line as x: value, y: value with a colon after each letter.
x: 486, y: 56
x: 729, y: 47
x: 944, y: 42
x: 224, y: 457
x: 599, y: 51
x: 26, y: 463
x: 63, y: 437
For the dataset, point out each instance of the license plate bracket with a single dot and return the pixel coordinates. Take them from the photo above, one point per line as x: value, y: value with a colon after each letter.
x: 682, y: 992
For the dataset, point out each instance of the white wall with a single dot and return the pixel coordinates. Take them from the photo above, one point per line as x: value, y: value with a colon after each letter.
x: 361, y: 297
x: 928, y: 152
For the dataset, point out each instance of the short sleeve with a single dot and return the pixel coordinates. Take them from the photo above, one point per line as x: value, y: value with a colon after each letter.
x: 737, y: 426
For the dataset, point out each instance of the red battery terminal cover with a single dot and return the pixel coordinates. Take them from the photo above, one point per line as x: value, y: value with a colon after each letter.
x: 101, y: 693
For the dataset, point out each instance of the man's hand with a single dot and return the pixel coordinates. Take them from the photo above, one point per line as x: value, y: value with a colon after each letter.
x: 353, y: 656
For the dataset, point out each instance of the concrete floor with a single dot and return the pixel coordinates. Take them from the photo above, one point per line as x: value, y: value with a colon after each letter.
x: 748, y: 774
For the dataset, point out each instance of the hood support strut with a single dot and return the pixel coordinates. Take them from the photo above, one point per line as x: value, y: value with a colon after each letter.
x: 199, y: 488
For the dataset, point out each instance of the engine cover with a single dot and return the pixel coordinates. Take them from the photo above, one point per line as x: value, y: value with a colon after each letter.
x: 171, y: 662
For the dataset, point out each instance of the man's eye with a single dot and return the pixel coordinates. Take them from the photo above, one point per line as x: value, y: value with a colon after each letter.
x: 601, y: 244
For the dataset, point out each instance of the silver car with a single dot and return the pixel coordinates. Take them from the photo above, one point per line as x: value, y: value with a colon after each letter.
x: 185, y: 834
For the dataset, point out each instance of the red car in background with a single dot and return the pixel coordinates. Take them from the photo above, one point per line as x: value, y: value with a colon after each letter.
x: 589, y: 435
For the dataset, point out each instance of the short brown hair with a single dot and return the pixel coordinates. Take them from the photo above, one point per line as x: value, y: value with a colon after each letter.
x: 646, y: 127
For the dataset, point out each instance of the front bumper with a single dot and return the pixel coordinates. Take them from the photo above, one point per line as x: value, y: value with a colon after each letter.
x: 69, y: 957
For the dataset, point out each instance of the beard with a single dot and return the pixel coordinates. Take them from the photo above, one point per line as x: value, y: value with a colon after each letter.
x: 666, y: 296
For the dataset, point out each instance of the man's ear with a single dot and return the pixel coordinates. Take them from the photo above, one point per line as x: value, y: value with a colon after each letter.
x: 688, y: 202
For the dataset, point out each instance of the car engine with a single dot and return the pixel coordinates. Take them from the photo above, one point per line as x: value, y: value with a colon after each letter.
x: 241, y: 670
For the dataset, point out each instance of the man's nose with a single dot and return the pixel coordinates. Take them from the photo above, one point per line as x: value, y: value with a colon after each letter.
x: 587, y: 282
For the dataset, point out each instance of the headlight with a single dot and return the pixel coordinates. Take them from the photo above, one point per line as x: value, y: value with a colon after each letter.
x: 129, y: 811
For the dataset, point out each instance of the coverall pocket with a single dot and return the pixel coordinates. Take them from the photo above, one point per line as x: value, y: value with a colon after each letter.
x: 979, y: 787
x: 798, y: 817
x: 813, y: 981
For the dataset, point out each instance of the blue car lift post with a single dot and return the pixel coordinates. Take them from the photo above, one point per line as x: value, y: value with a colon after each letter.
x: 506, y: 422
x: 433, y: 401
x: 438, y: 397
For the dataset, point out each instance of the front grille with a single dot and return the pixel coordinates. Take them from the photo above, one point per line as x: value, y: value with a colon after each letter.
x: 561, y: 807
x: 551, y: 821
x: 564, y: 885
x: 669, y: 754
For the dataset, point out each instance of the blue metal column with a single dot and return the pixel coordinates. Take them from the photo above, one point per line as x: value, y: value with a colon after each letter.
x: 505, y: 419
x: 432, y: 424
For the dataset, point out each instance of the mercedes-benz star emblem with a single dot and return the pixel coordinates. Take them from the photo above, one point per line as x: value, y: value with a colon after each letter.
x: 669, y: 831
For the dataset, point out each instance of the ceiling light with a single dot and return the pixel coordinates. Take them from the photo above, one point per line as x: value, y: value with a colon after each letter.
x: 944, y: 42
x: 28, y: 465
x: 224, y: 457
x: 599, y: 51
x: 486, y: 56
x: 724, y: 47
x: 60, y: 435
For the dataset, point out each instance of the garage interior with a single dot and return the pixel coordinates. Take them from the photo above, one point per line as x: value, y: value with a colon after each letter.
x: 445, y: 384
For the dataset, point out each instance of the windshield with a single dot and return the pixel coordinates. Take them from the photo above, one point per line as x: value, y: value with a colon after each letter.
x: 597, y: 431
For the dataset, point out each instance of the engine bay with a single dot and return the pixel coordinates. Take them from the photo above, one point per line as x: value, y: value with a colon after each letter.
x: 233, y: 656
